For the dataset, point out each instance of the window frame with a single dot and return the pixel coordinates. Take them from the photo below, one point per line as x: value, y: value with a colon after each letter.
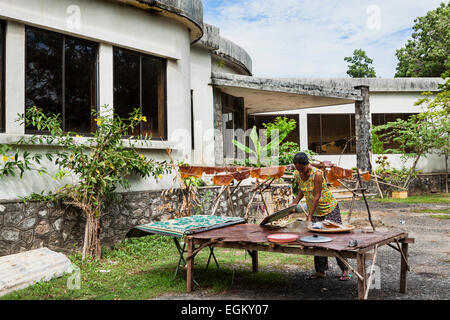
x: 63, y: 77
x: 2, y: 76
x: 164, y: 100
x: 351, y: 127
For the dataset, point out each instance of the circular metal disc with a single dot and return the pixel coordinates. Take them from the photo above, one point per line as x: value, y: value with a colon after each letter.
x: 318, y: 239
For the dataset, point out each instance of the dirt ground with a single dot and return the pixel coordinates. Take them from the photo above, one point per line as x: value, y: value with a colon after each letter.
x: 429, y: 258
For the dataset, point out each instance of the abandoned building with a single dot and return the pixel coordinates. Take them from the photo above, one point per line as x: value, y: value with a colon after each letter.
x: 195, y: 87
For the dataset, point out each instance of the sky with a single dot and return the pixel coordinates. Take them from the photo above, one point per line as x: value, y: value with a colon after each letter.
x: 310, y: 38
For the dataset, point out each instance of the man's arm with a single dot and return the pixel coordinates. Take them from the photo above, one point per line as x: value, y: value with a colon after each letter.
x: 318, y: 179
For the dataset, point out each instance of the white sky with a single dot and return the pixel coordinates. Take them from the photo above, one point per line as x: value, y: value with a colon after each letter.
x: 310, y: 38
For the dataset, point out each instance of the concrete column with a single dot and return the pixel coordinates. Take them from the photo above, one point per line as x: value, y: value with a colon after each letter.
x: 218, y: 127
x: 14, y: 76
x: 303, y: 130
x: 106, y: 77
x: 363, y: 127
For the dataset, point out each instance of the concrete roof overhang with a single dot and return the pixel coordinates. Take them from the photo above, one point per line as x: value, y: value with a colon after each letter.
x: 271, y: 95
x: 188, y: 12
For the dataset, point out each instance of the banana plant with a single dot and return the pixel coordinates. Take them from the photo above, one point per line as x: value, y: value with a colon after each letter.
x: 261, y: 152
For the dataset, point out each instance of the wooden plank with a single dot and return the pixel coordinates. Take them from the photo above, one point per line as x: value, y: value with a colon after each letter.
x: 281, y: 249
x: 408, y: 240
x: 369, y: 281
x: 404, y: 269
x: 190, y: 264
x: 361, y: 262
x: 383, y: 242
x: 348, y: 265
x: 404, y: 259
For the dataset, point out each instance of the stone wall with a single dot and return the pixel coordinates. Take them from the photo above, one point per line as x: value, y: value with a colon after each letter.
x: 35, y: 224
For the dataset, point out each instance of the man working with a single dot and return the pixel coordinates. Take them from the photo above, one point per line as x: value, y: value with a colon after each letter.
x: 321, y: 206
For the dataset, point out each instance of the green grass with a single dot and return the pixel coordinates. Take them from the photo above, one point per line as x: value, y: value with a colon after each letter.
x: 442, y: 216
x: 145, y: 269
x: 431, y: 198
x: 445, y: 211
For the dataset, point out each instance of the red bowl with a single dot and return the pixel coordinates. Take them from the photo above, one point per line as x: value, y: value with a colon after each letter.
x: 282, y: 237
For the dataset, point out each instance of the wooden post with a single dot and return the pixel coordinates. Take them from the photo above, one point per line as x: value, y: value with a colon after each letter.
x: 190, y: 264
x: 404, y: 268
x: 361, y: 261
x: 254, y: 255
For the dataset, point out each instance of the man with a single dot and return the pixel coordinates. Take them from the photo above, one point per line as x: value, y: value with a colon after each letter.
x: 321, y: 206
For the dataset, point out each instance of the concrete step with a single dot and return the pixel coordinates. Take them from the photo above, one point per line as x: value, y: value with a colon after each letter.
x: 18, y: 271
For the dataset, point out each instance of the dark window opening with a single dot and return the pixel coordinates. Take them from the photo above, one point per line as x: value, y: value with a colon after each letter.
x: 383, y: 118
x: 258, y: 120
x: 140, y: 83
x: 61, y: 78
x: 2, y: 76
x: 233, y: 124
x: 331, y: 134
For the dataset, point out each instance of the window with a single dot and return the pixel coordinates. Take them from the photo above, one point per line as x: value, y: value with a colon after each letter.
x: 2, y: 78
x: 140, y: 82
x: 383, y: 118
x: 259, y: 120
x: 331, y: 133
x: 61, y: 78
x: 233, y: 120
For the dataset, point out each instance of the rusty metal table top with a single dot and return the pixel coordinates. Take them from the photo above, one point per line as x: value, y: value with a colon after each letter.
x: 253, y: 233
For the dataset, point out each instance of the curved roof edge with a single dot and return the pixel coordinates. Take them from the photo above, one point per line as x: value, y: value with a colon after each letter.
x: 188, y: 12
x: 235, y: 54
x: 225, y: 49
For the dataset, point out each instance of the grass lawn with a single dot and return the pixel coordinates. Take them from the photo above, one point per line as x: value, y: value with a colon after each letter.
x: 431, y: 198
x: 143, y: 268
x: 441, y: 216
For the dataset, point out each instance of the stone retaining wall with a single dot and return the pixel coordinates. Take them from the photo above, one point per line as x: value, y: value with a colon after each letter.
x: 35, y: 224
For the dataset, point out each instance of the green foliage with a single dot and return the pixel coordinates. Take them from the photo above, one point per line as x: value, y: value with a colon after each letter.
x: 101, y: 163
x: 428, y: 52
x: 261, y: 155
x: 396, y: 177
x: 281, y: 125
x: 413, y: 138
x: 360, y: 65
x: 13, y: 161
x: 377, y: 144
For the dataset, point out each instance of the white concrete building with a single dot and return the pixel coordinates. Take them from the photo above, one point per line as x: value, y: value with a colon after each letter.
x: 71, y: 56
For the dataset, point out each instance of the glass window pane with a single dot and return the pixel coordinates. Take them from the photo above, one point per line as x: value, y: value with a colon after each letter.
x: 2, y: 82
x: 335, y: 133
x: 80, y: 85
x: 153, y: 96
x: 126, y: 83
x: 43, y: 73
x: 314, y: 143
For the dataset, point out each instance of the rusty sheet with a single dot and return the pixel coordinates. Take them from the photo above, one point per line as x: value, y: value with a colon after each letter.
x: 258, y: 234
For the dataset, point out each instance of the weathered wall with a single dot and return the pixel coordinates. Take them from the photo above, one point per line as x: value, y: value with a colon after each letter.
x: 36, y: 224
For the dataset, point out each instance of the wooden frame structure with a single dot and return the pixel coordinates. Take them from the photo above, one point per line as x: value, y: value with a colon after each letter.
x: 195, y: 243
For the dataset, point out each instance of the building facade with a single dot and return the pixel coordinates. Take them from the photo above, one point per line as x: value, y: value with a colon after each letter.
x: 195, y: 87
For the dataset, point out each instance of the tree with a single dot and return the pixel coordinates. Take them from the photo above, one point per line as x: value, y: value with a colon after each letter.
x: 360, y: 65
x: 102, y: 163
x: 413, y: 137
x: 437, y: 114
x: 427, y: 53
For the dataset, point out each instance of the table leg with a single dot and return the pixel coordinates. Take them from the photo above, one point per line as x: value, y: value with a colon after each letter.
x: 254, y: 255
x: 361, y: 261
x: 404, y: 269
x: 190, y: 264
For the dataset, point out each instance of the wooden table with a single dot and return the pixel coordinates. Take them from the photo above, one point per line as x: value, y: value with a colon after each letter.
x: 253, y: 238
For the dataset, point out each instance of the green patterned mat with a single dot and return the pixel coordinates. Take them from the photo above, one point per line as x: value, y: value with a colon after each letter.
x: 184, y: 226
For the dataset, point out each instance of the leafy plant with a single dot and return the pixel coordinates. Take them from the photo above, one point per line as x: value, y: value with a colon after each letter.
x: 102, y: 163
x: 261, y: 154
x: 13, y: 160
